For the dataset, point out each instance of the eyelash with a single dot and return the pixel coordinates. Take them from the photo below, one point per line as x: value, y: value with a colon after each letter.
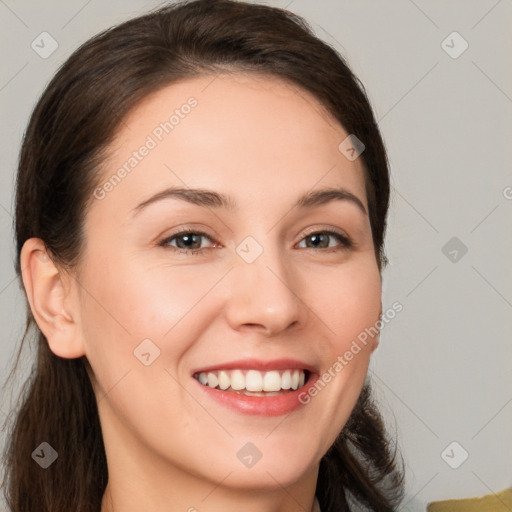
x: 346, y: 242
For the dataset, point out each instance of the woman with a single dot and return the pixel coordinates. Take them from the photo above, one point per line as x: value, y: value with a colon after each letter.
x: 200, y: 214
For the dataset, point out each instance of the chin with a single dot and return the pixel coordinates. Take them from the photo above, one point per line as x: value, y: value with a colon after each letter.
x: 276, y: 470
x: 265, y: 478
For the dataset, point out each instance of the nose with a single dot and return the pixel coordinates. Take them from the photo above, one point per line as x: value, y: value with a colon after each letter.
x: 264, y: 296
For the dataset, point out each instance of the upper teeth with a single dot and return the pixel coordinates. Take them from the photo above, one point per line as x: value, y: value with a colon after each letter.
x: 253, y: 380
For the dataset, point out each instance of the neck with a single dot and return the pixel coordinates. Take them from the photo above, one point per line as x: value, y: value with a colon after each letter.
x: 216, y: 499
x: 140, y: 480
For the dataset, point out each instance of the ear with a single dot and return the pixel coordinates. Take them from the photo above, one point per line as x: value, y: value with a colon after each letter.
x: 53, y: 300
x: 376, y: 339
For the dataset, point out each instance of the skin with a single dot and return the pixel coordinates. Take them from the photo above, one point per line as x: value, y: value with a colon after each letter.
x: 168, y: 447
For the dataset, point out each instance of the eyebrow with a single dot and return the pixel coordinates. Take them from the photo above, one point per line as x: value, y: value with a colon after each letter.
x: 211, y: 199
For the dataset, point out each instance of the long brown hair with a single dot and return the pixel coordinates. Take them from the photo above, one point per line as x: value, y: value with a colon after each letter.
x: 59, y: 167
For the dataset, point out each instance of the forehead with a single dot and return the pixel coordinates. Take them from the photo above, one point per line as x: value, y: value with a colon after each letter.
x: 247, y: 135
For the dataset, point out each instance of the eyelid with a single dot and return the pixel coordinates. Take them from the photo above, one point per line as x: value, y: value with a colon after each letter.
x: 329, y: 229
x: 184, y: 229
x: 317, y: 229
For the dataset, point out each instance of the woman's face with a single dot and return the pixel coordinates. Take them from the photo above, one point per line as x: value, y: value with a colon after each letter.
x: 269, y: 280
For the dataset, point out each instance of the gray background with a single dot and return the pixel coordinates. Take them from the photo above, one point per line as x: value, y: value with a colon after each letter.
x: 443, y: 369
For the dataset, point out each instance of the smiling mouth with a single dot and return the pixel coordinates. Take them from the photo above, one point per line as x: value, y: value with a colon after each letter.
x: 255, y: 382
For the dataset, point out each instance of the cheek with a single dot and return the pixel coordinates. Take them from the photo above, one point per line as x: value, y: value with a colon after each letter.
x: 127, y: 302
x: 348, y: 302
x: 142, y: 300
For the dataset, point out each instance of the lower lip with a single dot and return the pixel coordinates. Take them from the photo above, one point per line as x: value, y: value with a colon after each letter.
x: 276, y: 405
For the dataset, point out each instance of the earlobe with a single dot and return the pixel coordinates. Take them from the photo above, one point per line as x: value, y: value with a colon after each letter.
x: 376, y: 339
x: 48, y: 293
x: 375, y: 343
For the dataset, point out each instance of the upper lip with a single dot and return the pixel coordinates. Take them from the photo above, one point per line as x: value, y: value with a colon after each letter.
x: 258, y: 364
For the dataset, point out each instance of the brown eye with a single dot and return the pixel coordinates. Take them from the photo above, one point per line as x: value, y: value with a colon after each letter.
x: 186, y: 241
